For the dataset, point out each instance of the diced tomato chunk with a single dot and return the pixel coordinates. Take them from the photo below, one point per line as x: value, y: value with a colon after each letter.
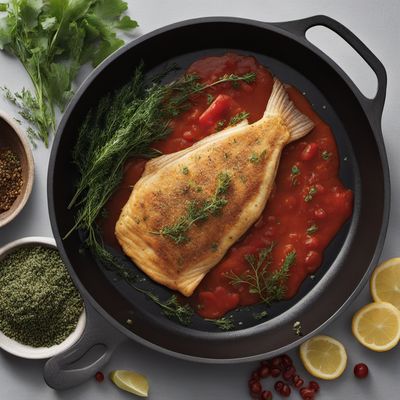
x: 216, y: 111
x: 309, y: 151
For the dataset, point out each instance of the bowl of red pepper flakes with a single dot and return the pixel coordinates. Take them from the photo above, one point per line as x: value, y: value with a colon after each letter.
x: 16, y: 169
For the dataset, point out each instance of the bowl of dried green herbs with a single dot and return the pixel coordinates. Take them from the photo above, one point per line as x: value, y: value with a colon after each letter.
x: 41, y: 311
x: 16, y: 169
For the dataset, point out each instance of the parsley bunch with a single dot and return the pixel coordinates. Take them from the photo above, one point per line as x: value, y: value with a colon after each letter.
x: 52, y: 39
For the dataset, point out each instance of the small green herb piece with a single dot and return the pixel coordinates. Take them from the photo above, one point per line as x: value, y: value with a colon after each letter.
x: 224, y: 323
x: 220, y: 125
x: 185, y: 170
x: 311, y: 192
x: 326, y: 155
x: 297, y: 328
x: 210, y: 98
x: 295, y: 171
x: 312, y: 229
x: 256, y: 158
x: 214, y: 247
x: 260, y: 315
x: 238, y: 118
x: 198, y: 212
x: 52, y: 39
x: 194, y: 186
x: 269, y: 286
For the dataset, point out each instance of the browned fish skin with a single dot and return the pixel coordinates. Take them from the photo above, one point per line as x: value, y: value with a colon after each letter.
x: 249, y: 154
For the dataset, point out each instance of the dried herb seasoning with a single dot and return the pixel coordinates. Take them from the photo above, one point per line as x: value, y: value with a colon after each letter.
x: 39, y: 304
x: 10, y: 178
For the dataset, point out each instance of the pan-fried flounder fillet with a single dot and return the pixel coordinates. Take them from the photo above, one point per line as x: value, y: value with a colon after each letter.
x: 189, y: 207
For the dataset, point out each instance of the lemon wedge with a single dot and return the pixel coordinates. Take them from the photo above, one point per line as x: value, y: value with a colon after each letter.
x: 323, y: 357
x: 377, y: 326
x: 385, y: 282
x: 130, y: 381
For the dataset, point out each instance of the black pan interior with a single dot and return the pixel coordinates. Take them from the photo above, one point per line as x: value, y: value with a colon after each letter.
x: 345, y: 261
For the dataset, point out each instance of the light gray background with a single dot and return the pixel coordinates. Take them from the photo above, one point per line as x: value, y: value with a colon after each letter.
x: 377, y: 24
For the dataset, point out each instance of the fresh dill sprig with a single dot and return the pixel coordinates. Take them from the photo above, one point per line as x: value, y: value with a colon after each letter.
x: 268, y: 286
x: 198, y: 212
x: 239, y: 117
x: 171, y: 307
x: 224, y: 323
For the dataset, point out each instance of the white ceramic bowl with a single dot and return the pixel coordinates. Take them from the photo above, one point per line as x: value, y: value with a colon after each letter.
x: 24, y: 351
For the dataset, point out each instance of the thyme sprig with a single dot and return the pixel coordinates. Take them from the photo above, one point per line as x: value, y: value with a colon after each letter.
x: 269, y: 286
x: 196, y: 212
x: 224, y: 323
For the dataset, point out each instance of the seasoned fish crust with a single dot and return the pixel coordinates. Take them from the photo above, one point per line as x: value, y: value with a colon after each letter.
x: 249, y: 154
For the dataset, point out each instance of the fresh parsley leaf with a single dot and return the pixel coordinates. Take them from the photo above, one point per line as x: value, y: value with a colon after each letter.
x: 52, y: 39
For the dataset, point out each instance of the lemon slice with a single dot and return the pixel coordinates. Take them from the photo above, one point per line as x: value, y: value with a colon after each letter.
x: 131, y: 382
x: 377, y: 326
x: 323, y: 357
x: 385, y: 282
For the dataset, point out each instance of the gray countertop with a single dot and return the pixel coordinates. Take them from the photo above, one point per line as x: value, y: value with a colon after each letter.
x: 376, y: 24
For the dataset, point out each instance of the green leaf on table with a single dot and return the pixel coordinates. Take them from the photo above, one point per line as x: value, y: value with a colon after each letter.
x: 126, y: 23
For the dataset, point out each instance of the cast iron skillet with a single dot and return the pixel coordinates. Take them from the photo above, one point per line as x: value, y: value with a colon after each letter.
x: 356, y: 123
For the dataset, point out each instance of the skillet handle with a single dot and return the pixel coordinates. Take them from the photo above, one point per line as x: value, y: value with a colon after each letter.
x: 374, y: 106
x: 87, y: 356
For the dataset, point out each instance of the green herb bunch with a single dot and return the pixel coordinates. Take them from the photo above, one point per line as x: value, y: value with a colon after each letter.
x: 52, y: 39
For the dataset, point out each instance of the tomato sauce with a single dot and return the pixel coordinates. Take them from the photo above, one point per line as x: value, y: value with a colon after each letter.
x: 308, y: 203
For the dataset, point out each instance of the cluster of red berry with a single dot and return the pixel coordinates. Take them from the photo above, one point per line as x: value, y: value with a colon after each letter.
x: 275, y: 367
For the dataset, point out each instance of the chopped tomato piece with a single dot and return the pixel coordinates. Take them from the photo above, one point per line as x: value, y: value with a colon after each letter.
x: 216, y: 111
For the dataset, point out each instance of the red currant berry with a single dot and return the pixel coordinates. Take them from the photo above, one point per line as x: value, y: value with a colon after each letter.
x: 361, y: 371
x: 285, y: 391
x: 251, y: 381
x: 266, y: 395
x: 255, y: 388
x: 314, y: 386
x: 276, y: 362
x: 263, y: 372
x: 299, y: 383
x: 275, y: 372
x: 289, y: 373
x: 278, y: 386
x: 286, y: 361
x: 307, y: 393
x: 99, y: 376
